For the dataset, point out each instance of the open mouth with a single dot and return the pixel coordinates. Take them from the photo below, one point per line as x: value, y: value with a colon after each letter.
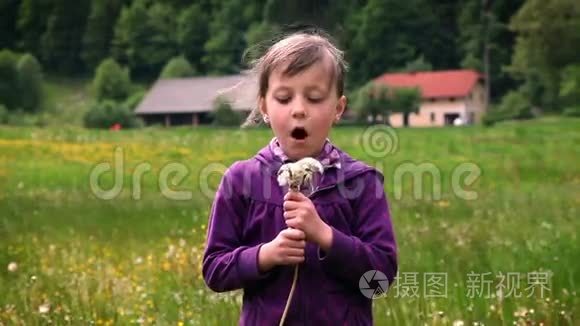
x: 299, y: 133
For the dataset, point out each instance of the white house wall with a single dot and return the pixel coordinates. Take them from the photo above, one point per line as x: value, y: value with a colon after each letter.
x: 438, y: 107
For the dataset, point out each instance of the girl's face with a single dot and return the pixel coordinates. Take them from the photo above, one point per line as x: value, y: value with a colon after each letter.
x: 302, y: 109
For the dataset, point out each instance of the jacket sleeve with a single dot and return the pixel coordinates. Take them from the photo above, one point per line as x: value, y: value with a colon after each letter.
x: 227, y: 264
x: 372, y: 245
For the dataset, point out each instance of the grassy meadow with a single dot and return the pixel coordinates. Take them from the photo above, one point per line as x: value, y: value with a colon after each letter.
x: 70, y: 257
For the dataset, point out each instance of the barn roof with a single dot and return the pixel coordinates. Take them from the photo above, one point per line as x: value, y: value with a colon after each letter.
x: 435, y: 84
x: 197, y: 94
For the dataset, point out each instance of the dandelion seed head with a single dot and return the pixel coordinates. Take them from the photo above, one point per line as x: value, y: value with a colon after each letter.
x: 299, y: 173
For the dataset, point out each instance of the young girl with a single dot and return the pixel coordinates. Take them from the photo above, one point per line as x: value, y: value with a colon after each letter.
x: 258, y: 233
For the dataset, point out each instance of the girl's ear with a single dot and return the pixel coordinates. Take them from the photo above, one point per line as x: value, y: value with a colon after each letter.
x: 340, y: 107
x: 262, y: 106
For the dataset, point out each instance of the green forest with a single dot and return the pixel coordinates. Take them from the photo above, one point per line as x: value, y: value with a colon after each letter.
x: 529, y: 49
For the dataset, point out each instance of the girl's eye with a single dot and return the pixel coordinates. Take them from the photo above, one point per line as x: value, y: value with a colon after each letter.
x: 315, y: 99
x: 283, y: 100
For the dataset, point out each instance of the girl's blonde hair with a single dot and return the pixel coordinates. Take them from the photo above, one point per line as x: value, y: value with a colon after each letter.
x: 296, y: 53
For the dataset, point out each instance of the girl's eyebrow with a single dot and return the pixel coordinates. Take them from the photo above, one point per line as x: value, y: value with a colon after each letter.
x: 282, y: 89
x: 316, y: 88
x: 311, y: 88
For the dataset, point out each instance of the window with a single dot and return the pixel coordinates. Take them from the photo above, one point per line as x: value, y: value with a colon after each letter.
x: 432, y: 117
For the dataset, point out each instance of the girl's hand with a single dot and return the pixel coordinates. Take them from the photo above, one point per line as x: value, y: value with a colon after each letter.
x: 286, y: 249
x: 300, y: 213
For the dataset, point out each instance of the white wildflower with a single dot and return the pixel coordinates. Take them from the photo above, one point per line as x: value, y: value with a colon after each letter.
x: 170, y: 252
x: 44, y: 308
x: 12, y: 267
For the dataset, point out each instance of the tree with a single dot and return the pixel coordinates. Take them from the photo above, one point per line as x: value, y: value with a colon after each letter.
x: 99, y: 31
x: 438, y: 43
x: 485, y: 42
x: 224, y: 48
x: 192, y: 33
x: 9, y: 92
x: 513, y: 105
x: 547, y: 42
x: 4, y: 116
x: 406, y: 101
x: 388, y: 35
x: 224, y: 115
x: 419, y: 64
x: 177, y: 67
x: 163, y: 39
x: 133, y: 101
x: 323, y: 14
x: 130, y: 27
x: 570, y: 89
x: 8, y: 15
x: 260, y: 34
x: 31, y: 24
x: 107, y: 113
x: 145, y: 37
x: 372, y: 102
x: 62, y: 40
x: 30, y: 83
x: 112, y: 82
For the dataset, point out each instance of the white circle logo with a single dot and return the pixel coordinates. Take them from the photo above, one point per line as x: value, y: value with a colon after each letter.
x: 373, y: 284
x: 379, y: 141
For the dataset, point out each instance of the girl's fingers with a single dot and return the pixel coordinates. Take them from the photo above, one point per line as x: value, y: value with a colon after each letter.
x: 294, y: 252
x: 290, y: 205
x: 293, y: 234
x: 291, y: 223
x: 294, y: 196
x: 300, y: 244
x: 289, y: 214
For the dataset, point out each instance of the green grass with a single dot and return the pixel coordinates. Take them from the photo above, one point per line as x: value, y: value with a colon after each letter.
x: 66, y: 100
x: 123, y: 261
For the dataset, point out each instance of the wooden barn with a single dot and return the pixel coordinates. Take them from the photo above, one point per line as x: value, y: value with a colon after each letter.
x: 190, y: 101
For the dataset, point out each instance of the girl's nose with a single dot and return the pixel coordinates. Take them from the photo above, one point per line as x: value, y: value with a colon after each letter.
x: 298, y: 110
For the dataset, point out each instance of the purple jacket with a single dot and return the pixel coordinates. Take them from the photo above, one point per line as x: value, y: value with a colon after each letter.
x: 247, y: 212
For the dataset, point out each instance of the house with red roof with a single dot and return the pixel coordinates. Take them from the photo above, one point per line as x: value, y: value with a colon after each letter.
x: 447, y: 97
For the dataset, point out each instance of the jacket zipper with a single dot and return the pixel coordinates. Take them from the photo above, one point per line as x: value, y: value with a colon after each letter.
x: 315, y: 192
